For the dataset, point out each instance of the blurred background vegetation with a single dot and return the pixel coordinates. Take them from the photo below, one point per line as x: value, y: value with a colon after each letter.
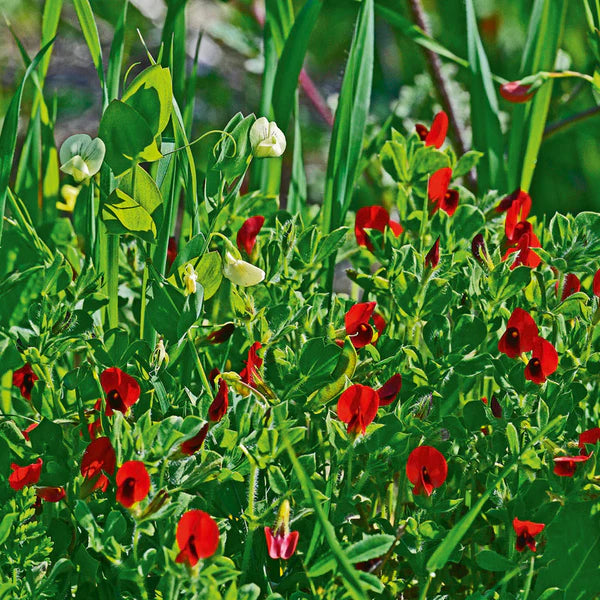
x: 230, y: 67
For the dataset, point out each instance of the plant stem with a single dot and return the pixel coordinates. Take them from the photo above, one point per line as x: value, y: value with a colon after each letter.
x: 527, y: 588
x: 144, y: 293
x: 250, y: 512
x: 558, y: 126
x: 439, y: 79
x: 199, y: 366
x: 112, y: 279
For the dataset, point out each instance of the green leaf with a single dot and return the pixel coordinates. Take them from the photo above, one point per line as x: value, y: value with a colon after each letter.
x: 234, y: 150
x: 115, y: 58
x: 572, y: 553
x: 513, y: 439
x: 151, y: 95
x: 122, y: 214
x: 127, y: 138
x: 489, y: 560
x: 469, y: 333
x: 466, y: 162
x: 318, y: 358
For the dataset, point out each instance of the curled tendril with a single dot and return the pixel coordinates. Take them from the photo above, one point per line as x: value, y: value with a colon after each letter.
x: 214, y: 147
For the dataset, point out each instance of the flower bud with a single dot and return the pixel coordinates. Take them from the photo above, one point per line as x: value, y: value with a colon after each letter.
x: 432, y: 258
x: 241, y: 272
x: 81, y: 156
x: 159, y: 355
x: 266, y: 139
x: 69, y: 194
x: 189, y: 279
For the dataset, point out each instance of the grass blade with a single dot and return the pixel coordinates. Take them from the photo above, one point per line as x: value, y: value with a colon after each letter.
x: 297, y: 190
x: 291, y: 61
x: 50, y: 20
x: 487, y: 135
x: 350, y: 577
x: 350, y: 121
x: 90, y: 33
x: 115, y: 58
x: 8, y: 136
x: 548, y: 41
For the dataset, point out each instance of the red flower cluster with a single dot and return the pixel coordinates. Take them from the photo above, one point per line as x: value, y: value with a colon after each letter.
x: 373, y: 217
x: 357, y: 324
x: 122, y: 391
x: 133, y: 483
x: 437, y: 134
x: 426, y: 469
x: 24, y: 378
x: 248, y: 232
x: 521, y: 336
x: 526, y: 532
x: 519, y: 232
x: 439, y: 194
x: 197, y: 537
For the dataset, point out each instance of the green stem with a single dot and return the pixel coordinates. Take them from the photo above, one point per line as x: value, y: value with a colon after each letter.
x: 425, y: 588
x: 199, y: 366
x: 143, y: 333
x: 527, y: 588
x: 250, y: 513
x: 112, y: 279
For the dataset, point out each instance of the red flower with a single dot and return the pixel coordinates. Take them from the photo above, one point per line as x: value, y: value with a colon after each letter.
x: 525, y: 255
x: 171, y: 251
x: 26, y: 432
x: 526, y: 531
x: 254, y: 362
x: 122, y: 390
x: 389, y: 390
x: 24, y: 476
x: 426, y: 469
x: 437, y: 134
x: 194, y: 444
x: 197, y: 537
x: 564, y: 466
x: 246, y: 236
x: 520, y: 335
x: 519, y: 230
x: 358, y: 406
x: 432, y: 258
x: 517, y: 206
x: 373, y: 217
x: 133, y: 483
x: 515, y: 92
x: 221, y: 335
x: 99, y: 456
x: 50, y: 494
x: 280, y: 544
x: 24, y: 378
x: 219, y: 405
x: 543, y: 362
x: 570, y: 286
x: 596, y: 284
x: 357, y: 324
x: 439, y: 194
x: 591, y: 436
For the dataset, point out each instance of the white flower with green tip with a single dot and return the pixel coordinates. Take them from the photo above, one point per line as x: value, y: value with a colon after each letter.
x: 266, y: 139
x: 81, y: 156
x: 240, y: 272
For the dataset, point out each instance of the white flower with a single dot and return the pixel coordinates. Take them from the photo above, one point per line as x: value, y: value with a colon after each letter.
x: 189, y: 279
x: 267, y: 140
x: 241, y: 272
x: 81, y: 156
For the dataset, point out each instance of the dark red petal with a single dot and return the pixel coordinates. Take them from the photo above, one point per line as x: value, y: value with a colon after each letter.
x: 571, y: 285
x: 288, y: 544
x: 515, y: 92
x: 379, y: 322
x: 171, y: 251
x: 479, y: 249
x: 449, y: 202
x: 438, y: 184
x: 596, y: 284
x: 194, y: 444
x: 253, y: 363
x: 590, y: 436
x: 359, y: 314
x: 528, y: 330
x: 246, y: 236
x: 432, y: 258
x: 50, y: 494
x: 389, y: 391
x: 133, y: 483
x: 565, y: 466
x: 437, y: 133
x: 218, y: 407
x: 434, y: 462
x: 422, y: 131
x: 221, y: 335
